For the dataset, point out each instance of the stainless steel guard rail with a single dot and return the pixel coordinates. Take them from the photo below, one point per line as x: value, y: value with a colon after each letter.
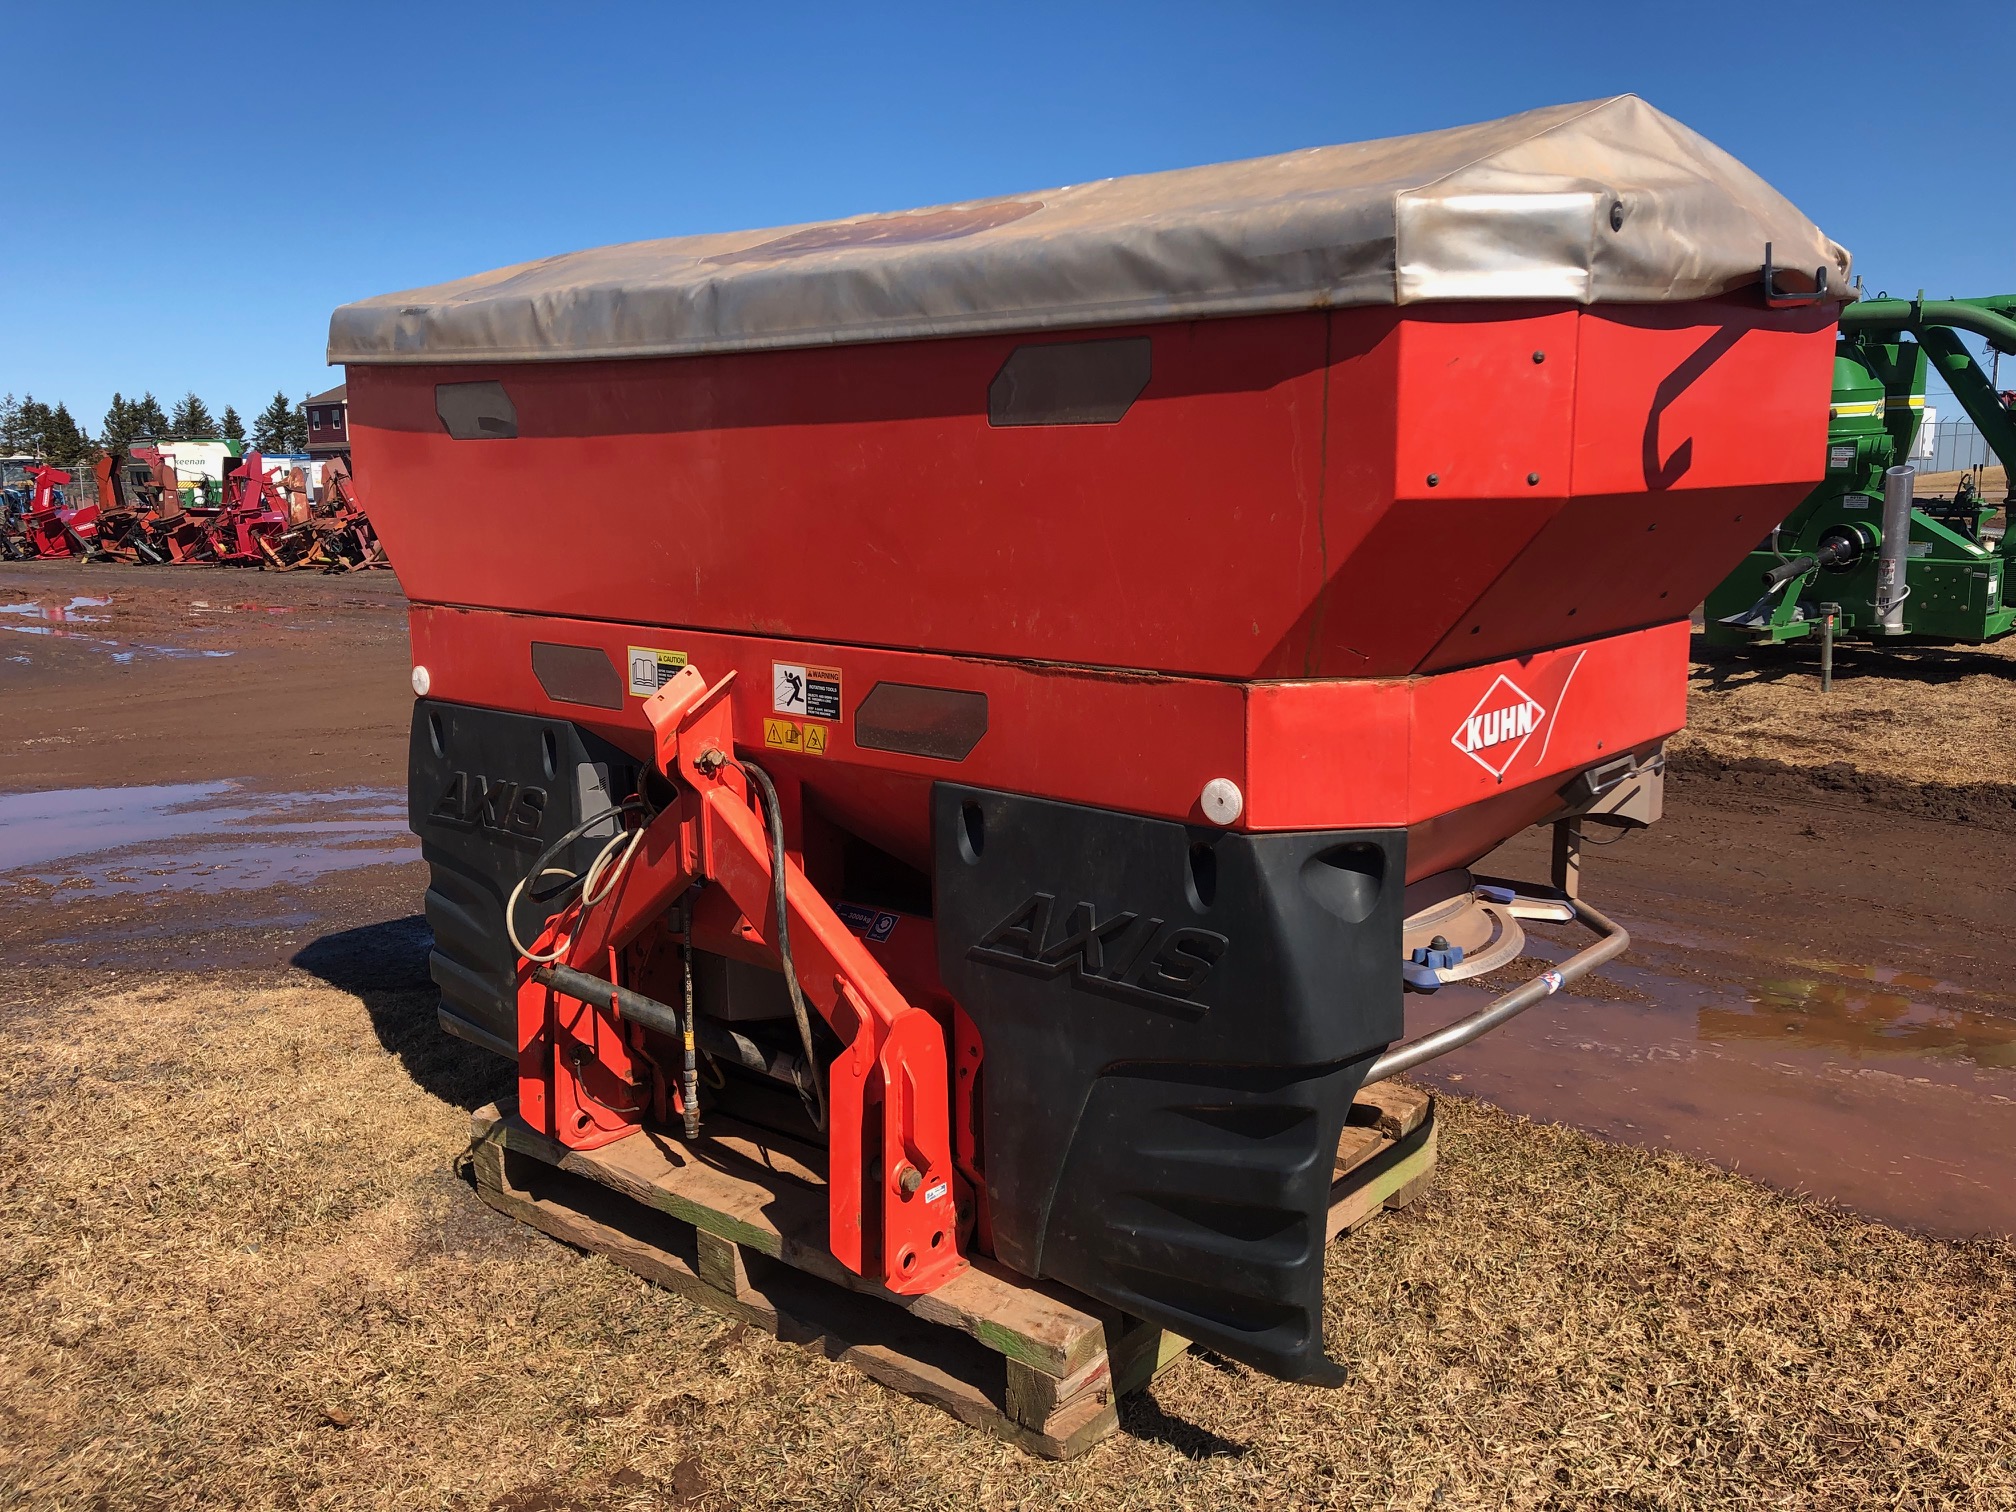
x: 1613, y: 941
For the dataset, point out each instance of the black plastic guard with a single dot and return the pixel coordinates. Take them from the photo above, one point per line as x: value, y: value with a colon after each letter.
x: 487, y: 791
x: 1174, y: 1021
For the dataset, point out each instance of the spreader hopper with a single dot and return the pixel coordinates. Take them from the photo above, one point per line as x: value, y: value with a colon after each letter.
x: 1013, y: 693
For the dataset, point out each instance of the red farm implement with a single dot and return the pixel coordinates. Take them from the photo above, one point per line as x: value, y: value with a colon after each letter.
x: 330, y: 532
x: 268, y: 521
x: 242, y: 530
x: 44, y: 524
x: 1051, y: 712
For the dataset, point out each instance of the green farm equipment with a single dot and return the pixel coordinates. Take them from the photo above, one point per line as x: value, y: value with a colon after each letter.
x: 1860, y: 549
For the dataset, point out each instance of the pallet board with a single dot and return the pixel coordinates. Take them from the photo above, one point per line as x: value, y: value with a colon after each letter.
x: 737, y: 1222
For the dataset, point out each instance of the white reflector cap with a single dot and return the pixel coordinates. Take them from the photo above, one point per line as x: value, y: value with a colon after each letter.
x: 1223, y: 802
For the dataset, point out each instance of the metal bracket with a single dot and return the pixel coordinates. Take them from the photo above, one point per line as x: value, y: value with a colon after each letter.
x: 891, y: 1206
x: 1786, y: 299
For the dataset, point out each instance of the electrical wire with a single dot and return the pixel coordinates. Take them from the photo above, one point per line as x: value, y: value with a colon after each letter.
x: 544, y: 867
x: 591, y: 893
x: 774, y: 816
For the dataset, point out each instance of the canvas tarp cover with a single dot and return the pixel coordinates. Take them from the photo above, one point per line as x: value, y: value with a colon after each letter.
x: 1610, y: 202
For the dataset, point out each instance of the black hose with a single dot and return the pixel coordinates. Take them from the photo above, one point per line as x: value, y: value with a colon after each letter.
x: 774, y: 816
x: 715, y: 1038
x: 539, y: 867
x: 1830, y: 552
x: 1792, y: 567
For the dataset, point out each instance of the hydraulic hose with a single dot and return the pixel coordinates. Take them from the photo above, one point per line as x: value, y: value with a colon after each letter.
x: 545, y: 864
x: 718, y: 1040
x: 689, y: 1085
x: 773, y: 812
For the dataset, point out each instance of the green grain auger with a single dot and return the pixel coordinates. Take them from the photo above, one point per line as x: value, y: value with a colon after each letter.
x: 1889, y: 564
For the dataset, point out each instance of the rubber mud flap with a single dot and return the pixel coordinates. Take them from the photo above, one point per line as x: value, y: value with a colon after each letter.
x: 488, y: 791
x: 1174, y: 1021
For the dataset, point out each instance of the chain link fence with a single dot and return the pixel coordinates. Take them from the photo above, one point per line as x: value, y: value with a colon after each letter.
x: 1951, y: 446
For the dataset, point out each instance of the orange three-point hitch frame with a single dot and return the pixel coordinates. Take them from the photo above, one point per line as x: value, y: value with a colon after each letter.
x: 888, y: 1134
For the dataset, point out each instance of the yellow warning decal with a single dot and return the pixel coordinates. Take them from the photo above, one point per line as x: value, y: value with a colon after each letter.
x: 651, y: 668
x: 790, y: 735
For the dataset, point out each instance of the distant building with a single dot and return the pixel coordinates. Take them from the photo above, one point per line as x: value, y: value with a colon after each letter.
x: 329, y: 423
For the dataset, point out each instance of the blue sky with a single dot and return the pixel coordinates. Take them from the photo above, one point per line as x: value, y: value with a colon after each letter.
x: 193, y: 188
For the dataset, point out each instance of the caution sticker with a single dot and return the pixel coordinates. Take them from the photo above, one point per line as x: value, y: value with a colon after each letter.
x: 790, y: 735
x: 651, y: 669
x: 811, y: 692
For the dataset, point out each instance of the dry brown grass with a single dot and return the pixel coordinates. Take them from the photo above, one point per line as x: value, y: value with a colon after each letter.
x: 236, y: 1269
x: 1991, y: 482
x: 1935, y: 715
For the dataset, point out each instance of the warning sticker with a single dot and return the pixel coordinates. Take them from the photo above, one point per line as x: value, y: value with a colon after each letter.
x: 813, y: 692
x: 651, y: 669
x: 1839, y: 457
x: 789, y: 735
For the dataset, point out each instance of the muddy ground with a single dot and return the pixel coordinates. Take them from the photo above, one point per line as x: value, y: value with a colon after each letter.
x: 238, y: 1268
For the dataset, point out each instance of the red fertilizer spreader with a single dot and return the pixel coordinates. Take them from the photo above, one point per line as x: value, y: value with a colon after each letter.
x: 1014, y: 692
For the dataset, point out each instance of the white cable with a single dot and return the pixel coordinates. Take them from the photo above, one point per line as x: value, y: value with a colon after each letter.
x: 591, y: 893
x: 541, y: 870
x: 593, y: 880
x: 511, y: 920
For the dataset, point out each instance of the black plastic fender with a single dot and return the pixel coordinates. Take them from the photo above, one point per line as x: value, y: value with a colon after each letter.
x: 1174, y: 1021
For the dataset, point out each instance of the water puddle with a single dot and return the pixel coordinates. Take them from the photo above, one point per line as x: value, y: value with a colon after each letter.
x: 194, y: 837
x: 204, y: 606
x: 1887, y: 1090
x: 74, y: 611
x: 53, y: 618
x: 1864, y: 1025
x: 74, y: 619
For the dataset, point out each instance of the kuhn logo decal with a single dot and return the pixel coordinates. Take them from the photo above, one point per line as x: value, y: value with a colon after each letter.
x: 1497, y: 729
x: 1126, y: 957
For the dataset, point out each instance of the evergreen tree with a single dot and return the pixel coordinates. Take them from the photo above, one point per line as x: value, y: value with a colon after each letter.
x: 191, y: 419
x: 273, y: 431
x: 297, y: 433
x: 120, y: 428
x: 231, y: 428
x: 149, y: 418
x: 10, y: 424
x: 63, y: 440
x: 31, y: 427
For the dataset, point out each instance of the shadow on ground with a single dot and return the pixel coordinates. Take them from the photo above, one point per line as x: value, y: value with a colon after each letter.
x: 384, y: 966
x: 1142, y: 1417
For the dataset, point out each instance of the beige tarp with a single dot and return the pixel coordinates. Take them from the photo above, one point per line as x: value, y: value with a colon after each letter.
x: 1603, y: 202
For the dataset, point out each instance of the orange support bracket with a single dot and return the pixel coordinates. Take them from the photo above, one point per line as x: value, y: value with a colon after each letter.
x: 890, y: 1187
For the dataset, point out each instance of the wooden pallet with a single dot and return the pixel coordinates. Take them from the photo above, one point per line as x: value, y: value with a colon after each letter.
x: 737, y: 1222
